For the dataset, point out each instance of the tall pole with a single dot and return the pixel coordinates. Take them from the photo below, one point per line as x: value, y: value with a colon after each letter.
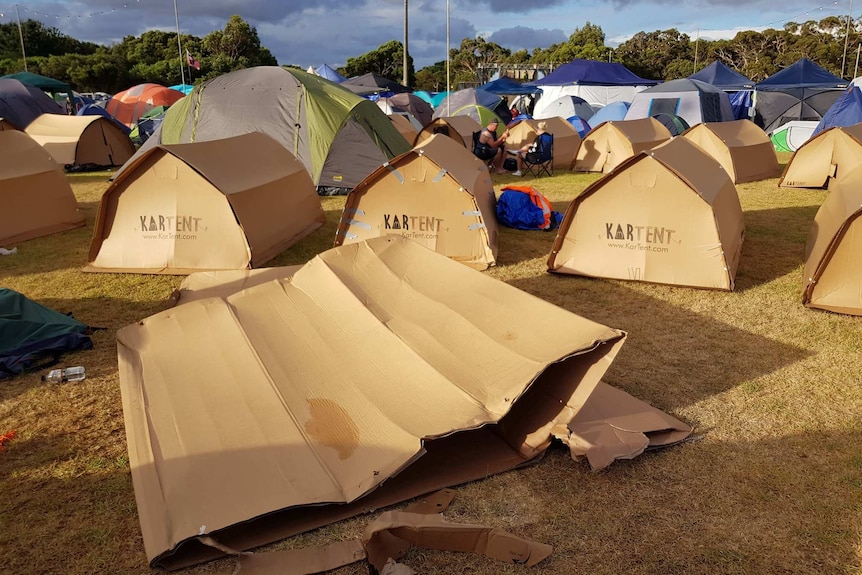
x: 856, y: 69
x: 405, y: 44
x: 696, y: 41
x: 179, y: 45
x: 447, y: 61
x: 846, y: 37
x: 21, y: 36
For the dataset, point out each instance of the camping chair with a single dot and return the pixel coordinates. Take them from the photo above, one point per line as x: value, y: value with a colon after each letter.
x: 540, y: 159
x: 478, y: 152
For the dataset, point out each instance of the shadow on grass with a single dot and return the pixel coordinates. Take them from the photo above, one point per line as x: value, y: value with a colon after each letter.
x: 784, y: 505
x: 673, y: 357
x: 774, y: 244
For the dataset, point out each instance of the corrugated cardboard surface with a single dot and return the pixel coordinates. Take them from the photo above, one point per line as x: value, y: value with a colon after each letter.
x: 220, y: 204
x: 832, y: 153
x: 247, y: 416
x: 566, y: 138
x: 35, y: 197
x: 833, y: 270
x: 82, y: 139
x: 670, y: 215
x: 608, y: 145
x: 740, y: 146
x: 438, y: 194
x: 460, y: 129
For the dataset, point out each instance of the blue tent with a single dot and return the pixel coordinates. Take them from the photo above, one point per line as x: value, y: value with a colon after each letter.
x: 22, y: 103
x: 723, y: 78
x: 802, y: 91
x: 581, y: 125
x: 184, y: 88
x: 592, y: 72
x: 506, y: 86
x: 846, y: 111
x: 96, y: 110
x: 324, y: 71
x: 612, y: 112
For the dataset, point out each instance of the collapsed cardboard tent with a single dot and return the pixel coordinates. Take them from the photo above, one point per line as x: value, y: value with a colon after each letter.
x: 459, y: 128
x: 829, y: 155
x: 566, y: 138
x: 741, y: 147
x: 438, y: 194
x: 833, y: 271
x: 82, y: 140
x: 606, y: 146
x: 669, y: 215
x: 222, y: 204
x: 35, y: 197
x: 378, y: 372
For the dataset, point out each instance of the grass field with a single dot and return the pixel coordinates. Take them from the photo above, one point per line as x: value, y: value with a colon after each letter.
x: 771, y: 482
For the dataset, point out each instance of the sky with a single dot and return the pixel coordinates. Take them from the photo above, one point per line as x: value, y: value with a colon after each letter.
x: 314, y: 32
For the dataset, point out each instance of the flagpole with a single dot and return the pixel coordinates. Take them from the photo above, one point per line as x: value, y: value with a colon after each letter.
x: 179, y: 45
x: 447, y: 60
x: 21, y: 36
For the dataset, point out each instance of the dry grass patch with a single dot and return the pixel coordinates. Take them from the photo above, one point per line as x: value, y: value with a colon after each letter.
x: 772, y: 484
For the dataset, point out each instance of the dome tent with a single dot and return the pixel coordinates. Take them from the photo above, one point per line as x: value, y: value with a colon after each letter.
x: 742, y: 148
x: 829, y: 155
x: 459, y: 128
x: 129, y: 105
x: 92, y: 141
x: 21, y: 103
x: 338, y: 136
x: 609, y: 144
x: 694, y: 101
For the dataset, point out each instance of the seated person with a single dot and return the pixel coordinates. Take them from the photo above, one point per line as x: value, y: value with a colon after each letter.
x: 532, y: 148
x: 489, y: 147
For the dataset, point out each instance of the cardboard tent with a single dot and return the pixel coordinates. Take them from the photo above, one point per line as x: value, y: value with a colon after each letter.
x: 566, y: 139
x: 438, y: 194
x: 830, y: 155
x: 82, y: 140
x: 468, y: 97
x: 22, y: 103
x: 594, y: 81
x: 741, y: 147
x: 129, y: 105
x: 692, y: 100
x: 223, y: 204
x: 404, y: 126
x: 833, y: 271
x: 669, y: 215
x: 481, y: 114
x: 802, y: 91
x: 789, y: 137
x: 459, y: 128
x: 611, y: 143
x: 338, y: 136
x: 378, y: 372
x: 36, y: 198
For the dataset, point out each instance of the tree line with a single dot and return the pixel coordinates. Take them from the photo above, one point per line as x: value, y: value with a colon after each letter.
x: 660, y: 55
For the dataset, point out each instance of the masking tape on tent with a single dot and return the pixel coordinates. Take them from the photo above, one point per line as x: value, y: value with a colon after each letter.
x: 476, y: 213
x: 473, y: 227
x: 357, y: 211
x: 440, y: 175
x: 350, y: 236
x: 359, y: 224
x: 394, y: 171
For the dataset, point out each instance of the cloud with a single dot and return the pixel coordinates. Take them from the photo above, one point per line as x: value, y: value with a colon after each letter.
x: 518, y: 6
x: 521, y: 37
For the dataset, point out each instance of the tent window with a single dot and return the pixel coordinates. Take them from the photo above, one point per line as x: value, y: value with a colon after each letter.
x: 663, y: 106
x: 711, y: 103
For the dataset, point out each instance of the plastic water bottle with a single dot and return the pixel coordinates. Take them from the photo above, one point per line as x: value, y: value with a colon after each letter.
x: 68, y: 374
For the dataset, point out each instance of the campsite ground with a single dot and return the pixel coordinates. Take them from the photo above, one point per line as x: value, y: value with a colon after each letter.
x: 771, y: 481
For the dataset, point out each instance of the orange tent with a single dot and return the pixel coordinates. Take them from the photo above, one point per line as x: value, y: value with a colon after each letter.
x: 129, y: 105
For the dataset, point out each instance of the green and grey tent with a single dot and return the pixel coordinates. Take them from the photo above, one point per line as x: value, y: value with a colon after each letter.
x: 339, y: 137
x: 31, y: 333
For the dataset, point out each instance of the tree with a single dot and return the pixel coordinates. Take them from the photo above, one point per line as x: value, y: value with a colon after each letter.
x: 649, y: 54
x: 387, y: 61
x: 473, y: 53
x: 236, y: 47
x: 587, y: 43
x: 432, y: 78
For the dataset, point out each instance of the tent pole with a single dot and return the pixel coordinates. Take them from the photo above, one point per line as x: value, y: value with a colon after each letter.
x: 448, y: 106
x: 846, y: 37
x: 21, y: 36
x: 179, y: 46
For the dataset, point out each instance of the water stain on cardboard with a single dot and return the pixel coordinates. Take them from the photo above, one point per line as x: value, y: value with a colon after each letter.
x: 331, y: 426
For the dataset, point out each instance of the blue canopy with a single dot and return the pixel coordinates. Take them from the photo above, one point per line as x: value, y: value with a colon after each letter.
x: 846, y: 111
x: 592, y: 72
x: 720, y: 76
x: 801, y: 74
x: 506, y: 86
x: 324, y: 71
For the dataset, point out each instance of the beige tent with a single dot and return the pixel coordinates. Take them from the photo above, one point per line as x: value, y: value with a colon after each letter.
x: 438, y: 194
x: 566, y: 138
x: 830, y: 154
x: 745, y: 151
x: 35, y: 198
x: 221, y: 204
x: 833, y: 268
x: 669, y: 215
x: 404, y: 127
x: 7, y: 125
x: 380, y: 371
x: 82, y: 140
x: 459, y: 128
x: 609, y: 144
